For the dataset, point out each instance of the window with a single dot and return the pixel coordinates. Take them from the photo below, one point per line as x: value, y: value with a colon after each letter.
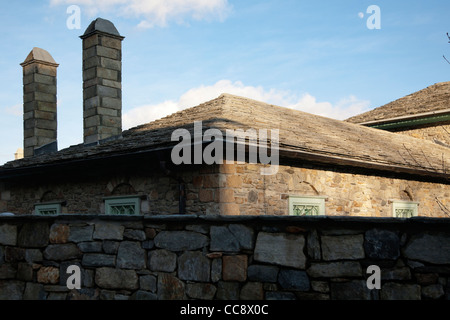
x: 122, y: 205
x: 306, y: 206
x: 47, y: 208
x: 405, y: 209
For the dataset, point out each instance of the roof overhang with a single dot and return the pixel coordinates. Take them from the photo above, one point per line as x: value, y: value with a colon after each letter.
x: 410, y: 120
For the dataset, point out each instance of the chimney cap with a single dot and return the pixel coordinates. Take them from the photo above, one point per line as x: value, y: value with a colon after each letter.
x: 102, y: 26
x: 41, y: 56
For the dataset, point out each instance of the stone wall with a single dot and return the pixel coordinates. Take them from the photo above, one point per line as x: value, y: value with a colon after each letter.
x: 224, y: 258
x: 347, y: 193
x: 229, y: 189
x: 439, y: 132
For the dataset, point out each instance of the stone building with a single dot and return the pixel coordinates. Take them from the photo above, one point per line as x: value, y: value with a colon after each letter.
x: 317, y: 165
x: 424, y: 114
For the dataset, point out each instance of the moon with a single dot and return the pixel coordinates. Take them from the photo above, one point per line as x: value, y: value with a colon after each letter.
x: 361, y: 15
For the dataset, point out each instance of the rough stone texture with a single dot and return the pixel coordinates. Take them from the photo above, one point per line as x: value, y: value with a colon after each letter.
x: 131, y: 256
x: 11, y: 290
x: 8, y: 234
x: 170, y: 287
x: 342, y: 247
x: 252, y: 291
x: 281, y: 249
x: 34, y: 235
x: 180, y: 240
x: 81, y: 233
x: 263, y: 273
x: 59, y: 233
x: 48, y: 275
x: 98, y: 260
x: 234, y: 268
x: 294, y: 280
x: 60, y: 252
x: 108, y: 231
x: 418, y: 248
x: 396, y: 291
x: 352, y: 290
x: 194, y: 266
x: 382, y: 244
x: 202, y: 291
x: 110, y: 278
x: 283, y: 263
x: 335, y: 269
x: 162, y: 260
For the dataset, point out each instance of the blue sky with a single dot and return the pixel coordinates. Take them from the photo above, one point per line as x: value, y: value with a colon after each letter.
x: 315, y: 56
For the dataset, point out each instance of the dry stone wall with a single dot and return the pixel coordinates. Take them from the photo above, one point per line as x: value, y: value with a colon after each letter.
x: 225, y: 258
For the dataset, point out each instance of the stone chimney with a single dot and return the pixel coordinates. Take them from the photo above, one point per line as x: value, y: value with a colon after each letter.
x: 102, y: 82
x: 39, y: 103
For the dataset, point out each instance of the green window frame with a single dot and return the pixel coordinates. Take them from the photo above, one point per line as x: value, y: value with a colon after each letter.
x: 123, y: 205
x: 405, y: 209
x: 306, y: 205
x: 47, y: 209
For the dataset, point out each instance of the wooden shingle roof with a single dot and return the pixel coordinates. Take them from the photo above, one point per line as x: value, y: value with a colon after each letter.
x: 302, y: 136
x: 433, y: 99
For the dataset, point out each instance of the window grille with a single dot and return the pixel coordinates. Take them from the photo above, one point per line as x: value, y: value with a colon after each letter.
x: 47, y: 209
x: 405, y: 209
x: 306, y: 206
x: 122, y: 206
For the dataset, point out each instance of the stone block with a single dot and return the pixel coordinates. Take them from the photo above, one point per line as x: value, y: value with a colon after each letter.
x: 227, y: 290
x: 108, y: 74
x: 90, y: 246
x: 382, y: 244
x: 352, y: 290
x: 170, y: 287
x: 59, y: 233
x: 335, y: 269
x: 147, y: 283
x: 110, y: 64
x: 200, y: 291
x: 34, y: 235
x: 294, y: 280
x: 33, y: 255
x: 110, y: 247
x: 48, y: 275
x: 98, y: 260
x: 277, y: 295
x: 162, y: 260
x: 131, y: 255
x: 280, y: 249
x: 24, y: 272
x: 60, y: 252
x: 180, y: 240
x: 112, y: 103
x: 342, y: 247
x: 234, y: 268
x: 34, y: 291
x: 108, y: 52
x: 433, y: 291
x: 397, y: 291
x: 429, y: 247
x: 7, y: 271
x: 194, y: 266
x: 112, y: 278
x: 143, y: 295
x: 14, y: 254
x: 108, y: 231
x: 252, y: 291
x: 111, y: 43
x: 8, y: 234
x: 263, y: 273
x: 11, y: 290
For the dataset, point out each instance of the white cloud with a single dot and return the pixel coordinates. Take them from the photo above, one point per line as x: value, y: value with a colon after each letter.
x: 155, y: 12
x: 15, y: 110
x: 343, y: 109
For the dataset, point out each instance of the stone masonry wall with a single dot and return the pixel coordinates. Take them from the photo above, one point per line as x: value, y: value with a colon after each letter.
x: 439, y: 132
x: 347, y: 194
x: 225, y: 258
x: 231, y: 189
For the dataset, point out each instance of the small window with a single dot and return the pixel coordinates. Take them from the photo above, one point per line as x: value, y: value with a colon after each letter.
x: 122, y: 206
x: 405, y: 209
x: 47, y: 209
x: 306, y: 206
